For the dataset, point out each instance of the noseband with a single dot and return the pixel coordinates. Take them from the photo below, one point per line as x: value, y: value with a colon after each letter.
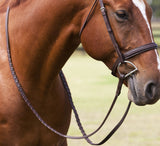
x: 122, y: 58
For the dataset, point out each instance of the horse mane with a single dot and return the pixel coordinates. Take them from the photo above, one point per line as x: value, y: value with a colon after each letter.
x: 12, y: 3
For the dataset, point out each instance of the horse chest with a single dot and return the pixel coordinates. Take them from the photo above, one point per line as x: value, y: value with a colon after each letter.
x: 18, y: 123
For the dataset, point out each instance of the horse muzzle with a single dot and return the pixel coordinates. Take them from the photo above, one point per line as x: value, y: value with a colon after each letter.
x: 143, y: 92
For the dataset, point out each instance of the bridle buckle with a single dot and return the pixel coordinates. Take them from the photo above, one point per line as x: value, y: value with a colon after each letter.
x: 135, y: 69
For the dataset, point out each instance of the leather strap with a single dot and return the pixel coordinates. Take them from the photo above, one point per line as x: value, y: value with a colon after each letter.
x: 88, y: 17
x: 127, y: 55
x: 85, y: 136
x: 132, y: 53
x: 109, y: 29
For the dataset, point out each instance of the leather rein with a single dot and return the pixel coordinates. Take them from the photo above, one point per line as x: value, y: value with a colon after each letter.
x: 122, y: 58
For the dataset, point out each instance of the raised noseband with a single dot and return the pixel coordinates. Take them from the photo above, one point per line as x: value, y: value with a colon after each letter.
x: 133, y: 53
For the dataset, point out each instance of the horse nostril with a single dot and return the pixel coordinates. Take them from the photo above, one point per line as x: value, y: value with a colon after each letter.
x: 150, y: 90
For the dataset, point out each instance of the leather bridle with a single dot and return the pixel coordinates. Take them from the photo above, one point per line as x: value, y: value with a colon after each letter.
x: 122, y: 58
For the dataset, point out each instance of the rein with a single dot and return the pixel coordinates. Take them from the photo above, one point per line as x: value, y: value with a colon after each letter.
x: 121, y: 60
x: 85, y: 136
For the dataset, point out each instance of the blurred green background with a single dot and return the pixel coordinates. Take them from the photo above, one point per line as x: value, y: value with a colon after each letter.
x: 155, y: 4
x: 93, y: 88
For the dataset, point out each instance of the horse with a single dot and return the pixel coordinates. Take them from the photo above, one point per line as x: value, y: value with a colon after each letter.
x: 43, y: 35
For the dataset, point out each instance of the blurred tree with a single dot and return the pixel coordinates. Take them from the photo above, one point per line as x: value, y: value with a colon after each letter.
x: 149, y: 1
x: 155, y: 4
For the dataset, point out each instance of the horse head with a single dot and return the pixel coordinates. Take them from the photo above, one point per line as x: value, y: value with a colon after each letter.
x: 130, y: 21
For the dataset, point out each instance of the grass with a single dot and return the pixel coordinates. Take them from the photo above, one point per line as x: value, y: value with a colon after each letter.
x: 156, y: 32
x: 157, y: 40
x: 93, y: 89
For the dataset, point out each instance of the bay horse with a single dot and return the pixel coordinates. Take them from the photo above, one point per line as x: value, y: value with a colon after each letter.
x: 43, y: 35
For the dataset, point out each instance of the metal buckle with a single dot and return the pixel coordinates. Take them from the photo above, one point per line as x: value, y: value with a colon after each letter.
x: 102, y: 9
x: 131, y: 72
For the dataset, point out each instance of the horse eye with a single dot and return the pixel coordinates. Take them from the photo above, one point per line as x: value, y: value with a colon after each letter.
x: 121, y: 15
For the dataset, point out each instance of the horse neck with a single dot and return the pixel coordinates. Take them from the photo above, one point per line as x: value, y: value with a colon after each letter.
x: 43, y: 35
